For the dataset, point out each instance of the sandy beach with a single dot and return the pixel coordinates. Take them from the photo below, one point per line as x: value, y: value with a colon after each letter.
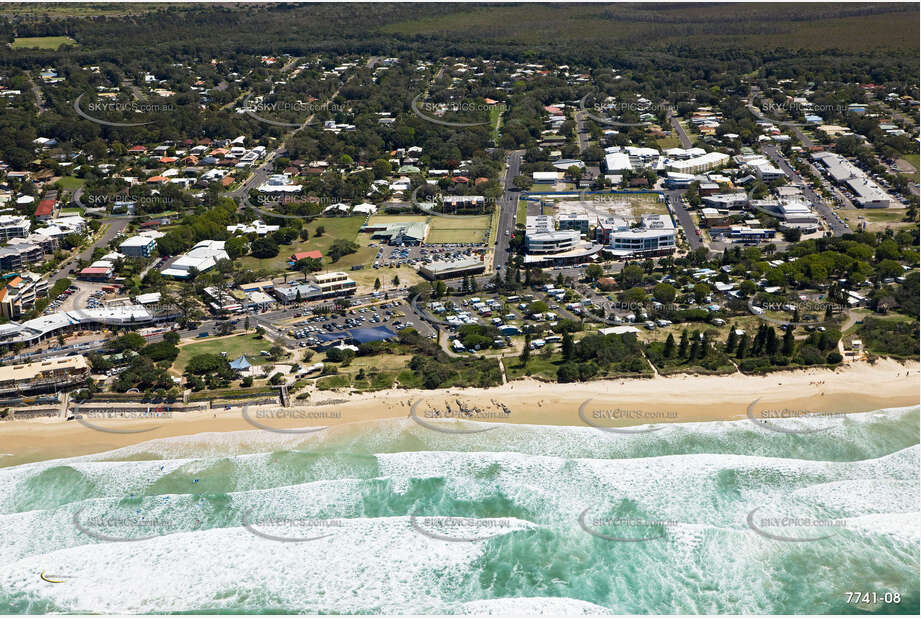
x: 860, y: 387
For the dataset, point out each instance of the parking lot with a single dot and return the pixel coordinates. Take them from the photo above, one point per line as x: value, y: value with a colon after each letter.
x: 80, y: 295
x: 424, y: 254
x: 395, y: 315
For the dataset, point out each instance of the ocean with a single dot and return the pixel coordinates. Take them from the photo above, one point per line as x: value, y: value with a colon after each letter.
x: 395, y: 517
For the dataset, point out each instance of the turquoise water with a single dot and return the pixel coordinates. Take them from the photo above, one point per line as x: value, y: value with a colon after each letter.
x: 392, y: 517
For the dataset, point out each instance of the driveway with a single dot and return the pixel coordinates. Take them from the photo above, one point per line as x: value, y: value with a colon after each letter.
x: 673, y: 199
x: 115, y: 226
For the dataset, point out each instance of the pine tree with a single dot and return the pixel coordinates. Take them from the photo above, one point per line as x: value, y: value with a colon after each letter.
x: 526, y: 351
x: 771, y: 343
x: 788, y: 343
x: 758, y: 342
x: 683, y: 346
x: 694, y: 345
x: 669, y: 351
x: 568, y: 346
x: 743, y: 347
x: 704, y: 346
x: 731, y: 340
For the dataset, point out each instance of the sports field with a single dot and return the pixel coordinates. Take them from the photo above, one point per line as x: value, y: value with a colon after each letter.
x: 876, y: 220
x: 384, y: 219
x: 474, y: 229
x: 234, y: 346
x: 42, y: 42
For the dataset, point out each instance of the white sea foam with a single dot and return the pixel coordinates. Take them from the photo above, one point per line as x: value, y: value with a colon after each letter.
x: 371, y: 565
x: 378, y: 563
x: 539, y: 606
x: 564, y: 441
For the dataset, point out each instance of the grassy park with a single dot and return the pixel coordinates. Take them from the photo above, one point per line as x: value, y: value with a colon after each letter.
x: 42, y: 42
x: 235, y: 346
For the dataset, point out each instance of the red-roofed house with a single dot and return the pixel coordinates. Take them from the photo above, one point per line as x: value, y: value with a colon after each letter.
x: 155, y: 180
x: 303, y: 255
x: 98, y: 273
x: 45, y: 210
x: 137, y: 149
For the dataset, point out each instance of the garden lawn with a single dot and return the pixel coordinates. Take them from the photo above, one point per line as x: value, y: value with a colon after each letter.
x: 42, y: 42
x: 334, y: 227
x: 235, y: 346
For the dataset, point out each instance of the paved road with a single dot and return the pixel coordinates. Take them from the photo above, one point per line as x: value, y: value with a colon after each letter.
x: 673, y: 199
x: 838, y: 226
x: 508, y: 210
x: 581, y: 133
x: 682, y: 135
x: 115, y: 226
x: 756, y: 94
x: 37, y: 92
x: 265, y: 169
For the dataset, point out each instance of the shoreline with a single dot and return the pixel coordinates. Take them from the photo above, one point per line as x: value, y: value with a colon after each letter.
x: 860, y: 387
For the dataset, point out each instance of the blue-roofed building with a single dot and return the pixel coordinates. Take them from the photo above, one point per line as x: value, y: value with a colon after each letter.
x: 240, y: 364
x: 355, y: 336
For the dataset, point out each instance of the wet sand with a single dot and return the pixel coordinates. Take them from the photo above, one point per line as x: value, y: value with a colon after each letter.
x: 860, y: 387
